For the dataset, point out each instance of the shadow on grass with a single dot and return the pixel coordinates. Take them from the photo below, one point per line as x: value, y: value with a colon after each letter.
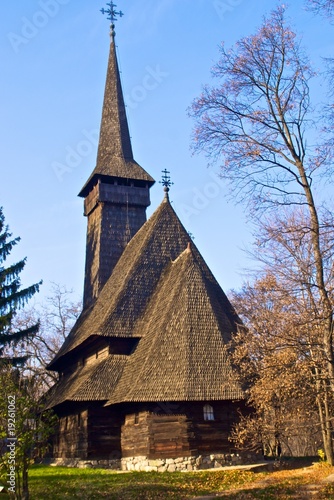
x: 286, y: 464
x: 269, y: 493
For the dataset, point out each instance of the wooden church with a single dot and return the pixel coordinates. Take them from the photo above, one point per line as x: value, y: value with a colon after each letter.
x: 145, y: 374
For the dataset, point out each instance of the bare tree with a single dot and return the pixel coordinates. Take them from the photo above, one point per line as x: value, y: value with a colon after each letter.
x: 57, y: 316
x: 281, y: 355
x: 256, y: 122
x: 279, y: 364
x: 257, y: 119
x: 323, y: 7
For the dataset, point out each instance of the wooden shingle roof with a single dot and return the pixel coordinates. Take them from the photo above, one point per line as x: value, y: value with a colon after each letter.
x: 126, y: 294
x: 183, y: 353
x: 88, y: 383
x: 115, y: 156
x: 162, y: 293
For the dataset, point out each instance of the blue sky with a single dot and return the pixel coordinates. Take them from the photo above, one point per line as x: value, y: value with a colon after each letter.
x: 54, y: 57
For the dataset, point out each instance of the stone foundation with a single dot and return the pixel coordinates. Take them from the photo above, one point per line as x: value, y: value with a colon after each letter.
x: 181, y: 464
x: 114, y: 464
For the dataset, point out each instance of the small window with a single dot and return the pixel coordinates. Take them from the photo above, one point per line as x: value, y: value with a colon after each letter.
x: 208, y: 412
x: 136, y: 418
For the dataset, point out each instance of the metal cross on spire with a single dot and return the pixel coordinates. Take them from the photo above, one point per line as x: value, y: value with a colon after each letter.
x: 112, y: 13
x: 166, y: 182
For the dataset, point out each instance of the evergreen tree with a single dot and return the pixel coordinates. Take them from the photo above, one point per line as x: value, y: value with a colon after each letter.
x: 12, y: 298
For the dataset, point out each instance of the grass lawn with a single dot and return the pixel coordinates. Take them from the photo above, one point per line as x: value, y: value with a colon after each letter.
x: 61, y: 482
x: 294, y: 480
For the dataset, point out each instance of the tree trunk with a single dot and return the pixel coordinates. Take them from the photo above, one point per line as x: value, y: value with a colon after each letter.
x: 327, y: 308
x: 329, y: 441
x: 326, y: 427
x: 25, y: 486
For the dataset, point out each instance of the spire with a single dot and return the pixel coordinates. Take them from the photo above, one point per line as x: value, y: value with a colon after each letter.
x: 114, y: 133
x: 115, y: 157
x: 117, y: 192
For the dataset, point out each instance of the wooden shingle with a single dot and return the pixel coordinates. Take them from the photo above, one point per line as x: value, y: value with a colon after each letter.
x: 163, y: 293
x: 115, y: 156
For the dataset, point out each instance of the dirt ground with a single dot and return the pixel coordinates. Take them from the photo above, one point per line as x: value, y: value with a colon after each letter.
x: 292, y: 479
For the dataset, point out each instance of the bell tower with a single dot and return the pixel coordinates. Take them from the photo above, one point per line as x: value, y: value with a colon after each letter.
x: 116, y: 194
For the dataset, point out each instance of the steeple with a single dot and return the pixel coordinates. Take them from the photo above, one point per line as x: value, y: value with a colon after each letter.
x: 114, y: 135
x: 117, y: 192
x: 115, y: 156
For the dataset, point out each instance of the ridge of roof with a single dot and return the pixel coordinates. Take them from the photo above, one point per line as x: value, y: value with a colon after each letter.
x: 127, y: 292
x: 183, y: 353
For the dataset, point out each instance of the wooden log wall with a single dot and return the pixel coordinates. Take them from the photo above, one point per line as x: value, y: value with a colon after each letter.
x: 212, y: 435
x: 93, y: 432
x: 104, y: 433
x: 146, y: 430
x: 170, y: 436
x: 135, y: 434
x: 159, y: 435
x: 71, y: 440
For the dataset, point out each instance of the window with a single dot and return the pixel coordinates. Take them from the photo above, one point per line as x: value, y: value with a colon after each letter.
x: 208, y: 412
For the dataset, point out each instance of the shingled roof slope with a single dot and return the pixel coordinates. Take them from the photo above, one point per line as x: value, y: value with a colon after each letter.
x: 115, y: 157
x: 126, y: 294
x: 93, y: 382
x: 183, y: 352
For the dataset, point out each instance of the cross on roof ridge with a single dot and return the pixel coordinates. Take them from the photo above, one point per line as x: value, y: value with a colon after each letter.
x: 112, y: 13
x: 166, y: 182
